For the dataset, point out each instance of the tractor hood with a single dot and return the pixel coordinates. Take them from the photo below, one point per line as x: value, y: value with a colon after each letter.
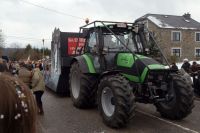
x: 150, y: 63
x: 136, y: 67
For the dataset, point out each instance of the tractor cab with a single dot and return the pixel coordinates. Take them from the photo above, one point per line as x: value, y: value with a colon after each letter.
x: 105, y: 40
x: 118, y: 45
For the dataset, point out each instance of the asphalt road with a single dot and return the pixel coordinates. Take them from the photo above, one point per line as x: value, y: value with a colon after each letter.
x: 62, y: 117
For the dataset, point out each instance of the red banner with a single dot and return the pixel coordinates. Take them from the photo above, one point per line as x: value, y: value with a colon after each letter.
x: 73, y: 42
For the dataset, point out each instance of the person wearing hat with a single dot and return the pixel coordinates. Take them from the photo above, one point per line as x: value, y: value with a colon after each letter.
x: 186, y: 65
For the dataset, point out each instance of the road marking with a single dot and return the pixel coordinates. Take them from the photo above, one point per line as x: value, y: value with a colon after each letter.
x: 168, y: 122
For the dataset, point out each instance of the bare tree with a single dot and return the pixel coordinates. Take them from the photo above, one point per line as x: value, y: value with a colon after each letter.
x: 2, y: 42
x: 16, y: 53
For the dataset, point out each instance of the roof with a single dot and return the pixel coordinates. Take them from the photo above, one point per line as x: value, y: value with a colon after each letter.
x: 172, y: 21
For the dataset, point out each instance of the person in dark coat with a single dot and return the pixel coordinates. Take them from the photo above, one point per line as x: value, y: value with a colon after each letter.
x: 186, y: 65
x: 174, y: 66
x: 40, y: 66
x: 196, y: 78
x: 3, y: 66
x: 195, y: 67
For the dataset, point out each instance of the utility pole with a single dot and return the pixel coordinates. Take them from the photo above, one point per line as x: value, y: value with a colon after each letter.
x: 43, y: 49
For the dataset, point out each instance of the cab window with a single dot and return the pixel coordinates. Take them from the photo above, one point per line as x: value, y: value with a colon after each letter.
x: 92, y: 42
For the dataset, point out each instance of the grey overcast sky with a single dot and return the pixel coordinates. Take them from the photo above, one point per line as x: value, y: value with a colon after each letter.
x: 24, y: 23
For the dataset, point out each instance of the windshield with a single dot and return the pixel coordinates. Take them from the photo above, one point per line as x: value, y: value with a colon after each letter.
x: 113, y: 44
x: 139, y: 41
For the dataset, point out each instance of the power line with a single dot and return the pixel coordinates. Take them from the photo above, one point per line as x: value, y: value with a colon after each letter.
x: 52, y: 10
x: 24, y: 38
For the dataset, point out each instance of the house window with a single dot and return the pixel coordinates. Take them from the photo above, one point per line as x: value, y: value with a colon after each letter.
x: 176, y: 52
x: 176, y: 36
x: 197, y: 52
x: 197, y: 36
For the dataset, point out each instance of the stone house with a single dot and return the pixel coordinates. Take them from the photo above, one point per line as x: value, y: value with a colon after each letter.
x: 178, y: 36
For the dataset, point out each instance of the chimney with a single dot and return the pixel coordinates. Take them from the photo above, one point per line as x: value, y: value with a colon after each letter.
x: 187, y: 16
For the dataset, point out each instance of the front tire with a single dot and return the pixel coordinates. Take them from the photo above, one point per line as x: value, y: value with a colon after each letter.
x: 81, y: 87
x: 181, y: 104
x: 115, y: 101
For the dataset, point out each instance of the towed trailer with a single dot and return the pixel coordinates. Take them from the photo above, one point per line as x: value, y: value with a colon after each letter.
x: 63, y: 47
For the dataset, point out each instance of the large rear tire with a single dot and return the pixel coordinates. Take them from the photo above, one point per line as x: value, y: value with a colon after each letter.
x: 182, y: 101
x: 81, y: 87
x: 116, y: 101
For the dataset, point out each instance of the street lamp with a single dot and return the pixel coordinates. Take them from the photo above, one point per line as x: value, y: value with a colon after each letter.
x: 43, y: 49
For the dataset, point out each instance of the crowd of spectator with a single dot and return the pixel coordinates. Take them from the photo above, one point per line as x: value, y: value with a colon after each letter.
x: 17, y: 106
x: 186, y: 66
x: 190, y: 70
x: 22, y: 86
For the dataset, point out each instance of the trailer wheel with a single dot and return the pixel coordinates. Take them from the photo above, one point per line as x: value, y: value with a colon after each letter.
x: 115, y: 101
x: 63, y: 87
x: 81, y: 87
x: 182, y: 101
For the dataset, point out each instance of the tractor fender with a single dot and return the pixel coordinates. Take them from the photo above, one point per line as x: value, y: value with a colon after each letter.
x: 107, y: 73
x: 85, y: 63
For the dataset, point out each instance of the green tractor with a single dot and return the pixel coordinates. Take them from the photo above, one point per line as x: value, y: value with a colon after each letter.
x: 121, y: 64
